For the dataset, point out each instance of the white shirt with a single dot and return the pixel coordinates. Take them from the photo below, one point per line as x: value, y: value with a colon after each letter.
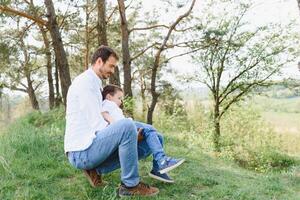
x: 83, y: 112
x: 113, y: 110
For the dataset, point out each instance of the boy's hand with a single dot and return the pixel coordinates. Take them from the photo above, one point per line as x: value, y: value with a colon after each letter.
x: 140, y: 135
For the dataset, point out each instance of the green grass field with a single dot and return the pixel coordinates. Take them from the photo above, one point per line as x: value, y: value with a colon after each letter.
x: 33, y: 166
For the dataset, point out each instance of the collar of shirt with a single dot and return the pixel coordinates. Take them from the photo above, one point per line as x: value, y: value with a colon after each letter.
x: 96, y: 79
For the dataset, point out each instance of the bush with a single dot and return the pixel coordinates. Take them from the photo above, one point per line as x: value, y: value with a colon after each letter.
x: 251, y: 142
x: 263, y: 160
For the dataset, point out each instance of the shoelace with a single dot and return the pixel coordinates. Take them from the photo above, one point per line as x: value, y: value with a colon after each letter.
x: 166, y: 160
x: 144, y: 185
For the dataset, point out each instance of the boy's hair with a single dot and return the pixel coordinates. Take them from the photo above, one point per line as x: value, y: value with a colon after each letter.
x: 103, y: 52
x: 110, y: 89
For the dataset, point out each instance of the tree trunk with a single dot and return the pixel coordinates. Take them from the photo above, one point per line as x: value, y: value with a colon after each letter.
x: 125, y: 50
x: 102, y: 37
x: 31, y: 93
x: 154, y: 94
x: 156, y: 63
x: 87, y: 35
x: 101, y: 25
x: 49, y: 68
x: 143, y: 95
x: 216, y: 121
x: 152, y: 107
x: 60, y: 54
x: 58, y: 96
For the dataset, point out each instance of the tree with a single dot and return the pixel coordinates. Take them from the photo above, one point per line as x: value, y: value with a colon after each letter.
x: 236, y: 59
x: 21, y: 68
x: 102, y: 36
x: 52, y: 25
x: 60, y: 54
x: 157, y: 62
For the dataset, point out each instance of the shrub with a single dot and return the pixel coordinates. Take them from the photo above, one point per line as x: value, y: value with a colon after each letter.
x: 251, y: 142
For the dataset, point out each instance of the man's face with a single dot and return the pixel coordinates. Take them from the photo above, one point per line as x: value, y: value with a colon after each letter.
x: 105, y: 70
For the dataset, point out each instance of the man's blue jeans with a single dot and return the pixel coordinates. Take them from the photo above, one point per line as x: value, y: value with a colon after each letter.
x: 114, y: 147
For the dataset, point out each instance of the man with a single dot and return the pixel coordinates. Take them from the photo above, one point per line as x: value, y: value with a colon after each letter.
x: 93, y: 146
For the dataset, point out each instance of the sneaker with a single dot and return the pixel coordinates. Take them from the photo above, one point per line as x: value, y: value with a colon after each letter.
x: 161, y: 177
x: 94, y: 178
x: 168, y: 163
x: 141, y: 189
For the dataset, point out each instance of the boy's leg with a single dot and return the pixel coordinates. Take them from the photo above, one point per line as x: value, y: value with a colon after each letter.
x: 150, y: 135
x: 120, y: 136
x: 155, y: 142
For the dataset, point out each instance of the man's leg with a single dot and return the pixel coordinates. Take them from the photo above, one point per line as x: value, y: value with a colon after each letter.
x: 112, y: 162
x: 120, y: 136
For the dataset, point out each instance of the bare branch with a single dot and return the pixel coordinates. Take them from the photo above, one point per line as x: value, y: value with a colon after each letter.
x: 6, y: 9
x: 249, y: 67
x: 13, y: 87
x: 244, y: 91
x: 38, y: 85
x: 142, y: 52
x: 128, y: 5
x: 111, y: 14
x: 149, y: 27
x: 182, y: 54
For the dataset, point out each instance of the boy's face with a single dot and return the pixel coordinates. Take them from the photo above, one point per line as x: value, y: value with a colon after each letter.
x: 117, y: 97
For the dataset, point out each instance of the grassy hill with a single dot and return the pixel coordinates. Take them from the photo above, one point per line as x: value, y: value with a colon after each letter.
x: 33, y: 166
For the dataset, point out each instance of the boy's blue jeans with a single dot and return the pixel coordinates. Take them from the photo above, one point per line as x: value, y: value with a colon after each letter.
x: 154, y: 141
x: 116, y: 147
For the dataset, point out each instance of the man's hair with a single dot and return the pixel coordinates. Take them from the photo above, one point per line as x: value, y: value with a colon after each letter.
x: 110, y: 89
x: 104, y: 52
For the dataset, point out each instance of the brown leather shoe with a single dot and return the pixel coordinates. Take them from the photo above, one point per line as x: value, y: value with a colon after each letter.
x: 94, y: 178
x: 141, y: 189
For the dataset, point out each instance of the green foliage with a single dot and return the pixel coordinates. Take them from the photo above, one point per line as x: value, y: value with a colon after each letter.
x: 251, y: 142
x: 128, y: 106
x: 35, y: 119
x: 264, y: 159
x: 170, y: 100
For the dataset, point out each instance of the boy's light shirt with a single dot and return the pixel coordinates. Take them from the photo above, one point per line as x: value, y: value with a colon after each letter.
x: 113, y: 110
x: 83, y: 112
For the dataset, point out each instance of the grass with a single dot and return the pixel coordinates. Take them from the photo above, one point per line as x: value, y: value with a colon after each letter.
x: 33, y: 166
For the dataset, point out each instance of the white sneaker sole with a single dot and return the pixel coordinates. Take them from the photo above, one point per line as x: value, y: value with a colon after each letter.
x: 172, y: 167
x: 160, y: 179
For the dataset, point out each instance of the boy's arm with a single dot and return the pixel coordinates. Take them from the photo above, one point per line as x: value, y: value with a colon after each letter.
x: 107, y: 117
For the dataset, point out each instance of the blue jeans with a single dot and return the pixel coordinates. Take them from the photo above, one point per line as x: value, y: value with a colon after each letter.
x: 154, y: 141
x: 114, y: 147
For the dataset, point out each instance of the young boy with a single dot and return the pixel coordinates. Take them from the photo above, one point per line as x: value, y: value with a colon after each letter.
x: 112, y: 100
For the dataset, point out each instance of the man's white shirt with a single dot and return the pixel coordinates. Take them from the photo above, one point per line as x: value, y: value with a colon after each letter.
x: 113, y: 110
x: 83, y: 112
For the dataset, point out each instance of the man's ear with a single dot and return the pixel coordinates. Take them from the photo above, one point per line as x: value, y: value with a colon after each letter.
x: 99, y: 61
x: 108, y: 96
